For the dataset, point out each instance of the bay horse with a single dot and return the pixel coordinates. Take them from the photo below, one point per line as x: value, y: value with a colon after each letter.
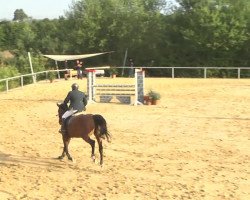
x: 82, y: 126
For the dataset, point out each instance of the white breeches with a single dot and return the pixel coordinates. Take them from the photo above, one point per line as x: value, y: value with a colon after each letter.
x: 68, y: 113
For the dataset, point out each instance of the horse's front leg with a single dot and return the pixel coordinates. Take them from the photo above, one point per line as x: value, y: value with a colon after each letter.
x: 66, y: 147
x: 67, y: 152
x: 63, y: 154
x: 92, y: 144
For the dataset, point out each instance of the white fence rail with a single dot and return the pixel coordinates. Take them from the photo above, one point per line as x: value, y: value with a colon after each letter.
x: 205, y: 69
x: 173, y: 70
x: 34, y: 76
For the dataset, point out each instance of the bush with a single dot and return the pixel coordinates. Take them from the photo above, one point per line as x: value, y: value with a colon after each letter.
x: 7, y: 72
x: 51, y: 75
x: 154, y: 95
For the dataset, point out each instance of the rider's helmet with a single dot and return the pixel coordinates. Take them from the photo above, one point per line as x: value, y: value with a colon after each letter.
x: 74, y: 86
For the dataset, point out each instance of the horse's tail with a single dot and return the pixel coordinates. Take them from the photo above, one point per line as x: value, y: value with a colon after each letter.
x: 102, y: 124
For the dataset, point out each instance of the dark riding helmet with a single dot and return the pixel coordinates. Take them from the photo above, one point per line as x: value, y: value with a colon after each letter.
x: 74, y: 86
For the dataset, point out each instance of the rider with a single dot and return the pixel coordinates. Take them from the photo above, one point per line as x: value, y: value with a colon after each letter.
x: 77, y: 100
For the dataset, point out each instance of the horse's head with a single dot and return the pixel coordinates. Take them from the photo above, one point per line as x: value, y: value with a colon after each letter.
x: 62, y: 108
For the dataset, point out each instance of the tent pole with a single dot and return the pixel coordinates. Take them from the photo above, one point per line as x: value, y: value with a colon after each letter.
x: 31, y: 68
x: 124, y: 60
x: 58, y: 74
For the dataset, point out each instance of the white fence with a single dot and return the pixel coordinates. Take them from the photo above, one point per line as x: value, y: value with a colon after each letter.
x: 205, y: 69
x: 173, y: 70
x: 34, y: 76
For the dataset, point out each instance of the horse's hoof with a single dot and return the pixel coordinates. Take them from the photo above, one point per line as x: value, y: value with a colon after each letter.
x: 93, y: 158
x: 60, y: 157
x: 71, y: 159
x: 102, y: 166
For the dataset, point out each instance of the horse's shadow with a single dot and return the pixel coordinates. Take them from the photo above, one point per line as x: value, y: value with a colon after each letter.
x: 38, y: 162
x: 30, y: 100
x: 11, y: 159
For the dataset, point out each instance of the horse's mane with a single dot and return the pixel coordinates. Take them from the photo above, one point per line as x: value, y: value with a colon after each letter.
x: 64, y: 106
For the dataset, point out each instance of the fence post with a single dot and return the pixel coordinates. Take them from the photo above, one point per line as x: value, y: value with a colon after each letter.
x: 21, y: 81
x: 7, y: 85
x: 205, y: 72
x: 172, y: 72
x: 238, y: 73
x: 58, y: 73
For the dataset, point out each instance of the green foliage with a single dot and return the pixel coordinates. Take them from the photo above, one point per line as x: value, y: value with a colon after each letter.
x: 195, y: 33
x: 51, y: 75
x: 154, y: 95
x: 19, y: 15
x: 215, y: 24
x: 117, y: 25
x: 113, y: 70
x: 212, y: 32
x: 6, y: 72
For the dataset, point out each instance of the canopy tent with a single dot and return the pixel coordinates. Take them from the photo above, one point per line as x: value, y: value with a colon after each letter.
x: 73, y: 57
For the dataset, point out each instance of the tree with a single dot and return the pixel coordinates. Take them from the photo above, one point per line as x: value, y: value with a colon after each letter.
x: 47, y: 36
x: 99, y: 25
x: 19, y: 15
x: 217, y: 29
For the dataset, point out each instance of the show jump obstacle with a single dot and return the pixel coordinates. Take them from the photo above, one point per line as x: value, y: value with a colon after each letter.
x: 123, y: 92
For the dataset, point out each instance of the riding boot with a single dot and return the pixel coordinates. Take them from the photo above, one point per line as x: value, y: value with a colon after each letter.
x: 63, y: 129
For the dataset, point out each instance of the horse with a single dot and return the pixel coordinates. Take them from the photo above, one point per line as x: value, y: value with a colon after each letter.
x: 82, y: 126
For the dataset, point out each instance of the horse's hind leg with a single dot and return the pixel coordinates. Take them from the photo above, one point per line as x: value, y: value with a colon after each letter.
x: 99, y: 140
x: 92, y: 144
x: 100, y: 149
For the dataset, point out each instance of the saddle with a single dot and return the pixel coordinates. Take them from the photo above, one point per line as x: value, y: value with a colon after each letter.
x: 67, y: 121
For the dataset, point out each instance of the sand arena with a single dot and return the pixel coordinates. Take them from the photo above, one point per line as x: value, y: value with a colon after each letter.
x: 194, y: 145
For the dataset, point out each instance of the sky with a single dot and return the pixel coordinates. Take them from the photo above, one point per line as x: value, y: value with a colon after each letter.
x: 37, y: 9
